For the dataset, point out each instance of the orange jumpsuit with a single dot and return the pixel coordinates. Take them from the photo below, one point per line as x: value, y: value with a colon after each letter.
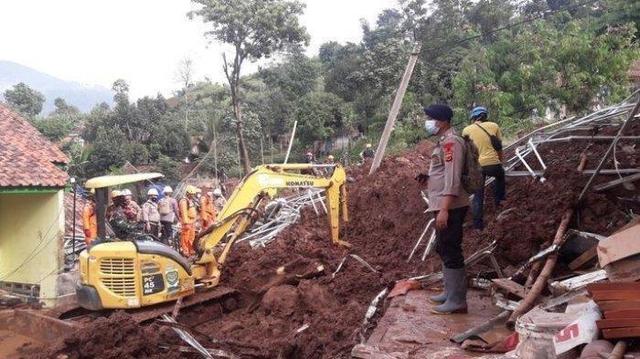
x: 207, y: 211
x: 89, y: 222
x: 188, y: 216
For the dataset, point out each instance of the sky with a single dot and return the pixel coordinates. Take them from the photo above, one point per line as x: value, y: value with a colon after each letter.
x: 143, y: 41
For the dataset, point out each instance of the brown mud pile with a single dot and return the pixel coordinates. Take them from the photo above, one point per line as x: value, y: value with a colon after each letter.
x: 116, y: 337
x: 385, y: 220
x: 291, y: 310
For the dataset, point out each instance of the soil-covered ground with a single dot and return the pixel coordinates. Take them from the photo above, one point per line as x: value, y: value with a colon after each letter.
x: 292, y: 306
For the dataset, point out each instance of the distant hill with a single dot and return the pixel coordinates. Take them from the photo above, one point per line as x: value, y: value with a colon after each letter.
x: 84, y: 97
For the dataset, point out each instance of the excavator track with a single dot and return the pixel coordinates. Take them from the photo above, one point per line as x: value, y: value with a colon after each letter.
x: 141, y: 315
x: 148, y: 313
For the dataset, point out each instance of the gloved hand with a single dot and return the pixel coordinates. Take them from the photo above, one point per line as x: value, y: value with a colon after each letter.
x: 422, y: 178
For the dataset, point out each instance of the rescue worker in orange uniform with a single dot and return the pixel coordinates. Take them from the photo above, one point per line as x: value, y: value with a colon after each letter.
x: 207, y: 208
x: 188, y: 215
x: 89, y: 219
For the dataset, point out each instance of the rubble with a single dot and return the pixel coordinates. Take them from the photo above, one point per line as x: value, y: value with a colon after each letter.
x: 285, y: 312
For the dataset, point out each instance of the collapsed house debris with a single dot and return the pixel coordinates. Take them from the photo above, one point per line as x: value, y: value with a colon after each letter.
x: 300, y: 298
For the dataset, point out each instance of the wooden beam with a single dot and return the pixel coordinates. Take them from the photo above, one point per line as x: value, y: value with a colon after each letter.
x: 622, y: 294
x: 598, y: 287
x: 622, y: 314
x: 395, y: 108
x: 621, y: 333
x: 510, y: 286
x: 610, y: 305
x: 618, y: 323
x: 616, y: 182
x: 584, y: 258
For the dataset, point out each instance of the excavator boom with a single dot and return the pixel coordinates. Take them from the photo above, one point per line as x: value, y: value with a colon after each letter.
x: 263, y: 182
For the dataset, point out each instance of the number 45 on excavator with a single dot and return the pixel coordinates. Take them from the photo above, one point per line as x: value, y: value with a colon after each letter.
x: 116, y: 273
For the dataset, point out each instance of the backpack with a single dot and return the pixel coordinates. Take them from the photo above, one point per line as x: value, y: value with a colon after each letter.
x: 164, y: 206
x: 472, y: 177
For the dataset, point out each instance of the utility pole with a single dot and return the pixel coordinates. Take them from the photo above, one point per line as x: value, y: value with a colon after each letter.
x: 215, y: 152
x: 261, y: 149
x: 293, y: 135
x: 395, y: 108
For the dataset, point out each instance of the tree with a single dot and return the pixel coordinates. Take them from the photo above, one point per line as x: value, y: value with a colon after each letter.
x: 24, y: 99
x: 185, y: 77
x: 255, y: 30
x: 62, y: 108
x: 320, y: 116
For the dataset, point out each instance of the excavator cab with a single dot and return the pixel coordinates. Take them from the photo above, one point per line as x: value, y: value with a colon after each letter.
x: 136, y: 273
x: 118, y: 273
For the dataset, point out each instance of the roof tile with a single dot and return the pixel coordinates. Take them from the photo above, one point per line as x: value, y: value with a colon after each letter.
x: 27, y: 158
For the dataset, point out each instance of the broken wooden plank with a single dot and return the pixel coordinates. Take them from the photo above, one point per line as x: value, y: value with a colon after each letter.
x: 616, y: 182
x: 619, y: 305
x: 622, y: 314
x: 584, y: 258
x: 621, y: 333
x: 606, y: 286
x: 580, y: 281
x: 617, y: 323
x: 510, y: 287
x: 616, y: 294
x: 461, y: 337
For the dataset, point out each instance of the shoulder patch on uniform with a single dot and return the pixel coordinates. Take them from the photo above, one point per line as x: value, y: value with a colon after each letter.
x: 448, y: 151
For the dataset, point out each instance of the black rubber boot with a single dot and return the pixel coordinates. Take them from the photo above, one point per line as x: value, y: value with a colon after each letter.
x: 457, y: 294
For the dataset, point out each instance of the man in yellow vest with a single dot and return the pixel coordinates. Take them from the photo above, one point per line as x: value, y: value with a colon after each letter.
x: 487, y: 137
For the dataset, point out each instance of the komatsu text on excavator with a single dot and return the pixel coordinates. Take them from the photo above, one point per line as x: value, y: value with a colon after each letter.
x: 116, y: 273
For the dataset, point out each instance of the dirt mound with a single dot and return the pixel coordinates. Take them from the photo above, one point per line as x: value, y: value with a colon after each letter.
x: 386, y: 218
x: 295, y: 302
x: 118, y: 336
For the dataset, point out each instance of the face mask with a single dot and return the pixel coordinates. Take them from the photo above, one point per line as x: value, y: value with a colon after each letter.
x: 431, y: 127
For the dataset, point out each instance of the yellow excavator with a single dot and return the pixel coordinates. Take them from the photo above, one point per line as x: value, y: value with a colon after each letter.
x: 116, y: 273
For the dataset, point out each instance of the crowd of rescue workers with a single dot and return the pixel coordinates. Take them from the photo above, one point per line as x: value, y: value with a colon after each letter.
x: 158, y: 215
x: 448, y: 200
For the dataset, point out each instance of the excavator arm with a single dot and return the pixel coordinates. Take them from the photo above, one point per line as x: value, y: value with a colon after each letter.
x: 261, y: 183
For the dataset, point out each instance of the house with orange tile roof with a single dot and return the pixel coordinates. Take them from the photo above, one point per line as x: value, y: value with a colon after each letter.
x: 32, y: 218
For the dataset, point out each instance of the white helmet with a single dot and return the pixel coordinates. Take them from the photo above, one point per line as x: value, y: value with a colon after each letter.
x: 217, y: 192
x: 167, y: 189
x: 152, y: 192
x: 126, y: 192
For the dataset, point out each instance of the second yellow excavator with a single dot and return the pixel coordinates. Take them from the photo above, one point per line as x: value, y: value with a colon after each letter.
x: 137, y: 273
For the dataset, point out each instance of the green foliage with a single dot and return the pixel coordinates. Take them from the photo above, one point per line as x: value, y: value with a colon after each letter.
x: 320, y: 116
x: 169, y: 168
x: 521, y: 59
x: 55, y: 127
x: 255, y: 30
x: 62, y: 108
x: 107, y: 151
x: 24, y: 99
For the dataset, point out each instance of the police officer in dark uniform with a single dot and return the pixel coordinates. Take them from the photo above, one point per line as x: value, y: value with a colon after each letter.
x: 449, y: 202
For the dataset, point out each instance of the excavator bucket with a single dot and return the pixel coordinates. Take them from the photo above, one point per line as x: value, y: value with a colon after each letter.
x: 21, y: 327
